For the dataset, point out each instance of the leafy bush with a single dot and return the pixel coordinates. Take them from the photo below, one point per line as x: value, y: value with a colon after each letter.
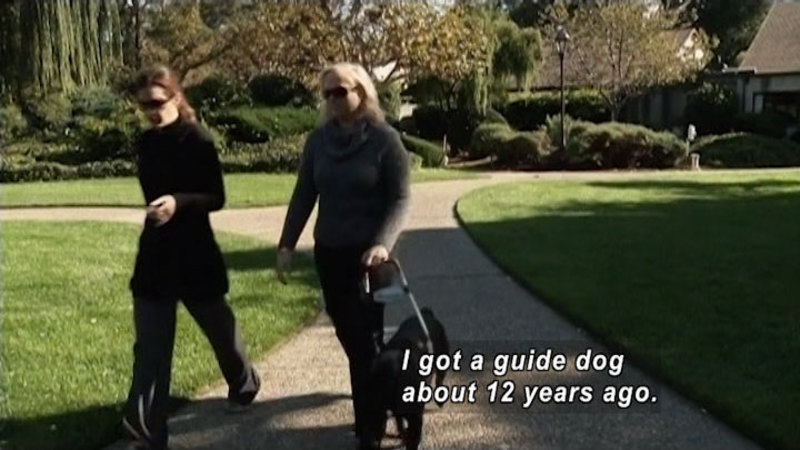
x: 488, y: 138
x: 531, y: 112
x: 278, y: 90
x: 52, y: 171
x: 98, y: 102
x: 415, y: 160
x: 50, y: 113
x: 281, y: 155
x: 795, y: 137
x: 747, y: 150
x: 12, y: 122
x: 493, y: 116
x: 711, y: 108
x: 433, y: 123
x: 102, y: 140
x: 525, y: 149
x: 432, y: 155
x: 509, y: 147
x: 217, y: 92
x: 258, y: 125
x: 390, y: 100
x: 767, y: 124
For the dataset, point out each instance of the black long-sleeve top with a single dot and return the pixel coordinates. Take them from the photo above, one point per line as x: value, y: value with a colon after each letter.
x: 180, y: 259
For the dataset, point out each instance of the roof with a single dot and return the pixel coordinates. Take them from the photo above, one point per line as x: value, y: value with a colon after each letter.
x: 776, y: 47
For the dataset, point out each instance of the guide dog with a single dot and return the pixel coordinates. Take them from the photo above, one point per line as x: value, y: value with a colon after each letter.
x: 388, y: 380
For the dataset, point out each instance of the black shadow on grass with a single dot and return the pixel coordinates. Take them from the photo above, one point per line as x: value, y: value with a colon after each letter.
x: 263, y: 259
x: 90, y: 428
x: 737, y: 248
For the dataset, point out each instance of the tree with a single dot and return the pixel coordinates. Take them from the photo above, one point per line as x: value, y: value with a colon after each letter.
x: 180, y: 37
x: 518, y: 53
x: 733, y: 24
x: 622, y: 50
x: 67, y: 43
x: 9, y: 51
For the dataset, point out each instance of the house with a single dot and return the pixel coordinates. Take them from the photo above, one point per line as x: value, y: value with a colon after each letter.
x: 768, y: 78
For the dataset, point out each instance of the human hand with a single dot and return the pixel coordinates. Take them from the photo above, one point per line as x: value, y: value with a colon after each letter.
x: 162, y: 209
x: 375, y: 255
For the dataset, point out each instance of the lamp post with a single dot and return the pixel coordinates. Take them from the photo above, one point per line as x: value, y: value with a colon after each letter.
x: 562, y: 37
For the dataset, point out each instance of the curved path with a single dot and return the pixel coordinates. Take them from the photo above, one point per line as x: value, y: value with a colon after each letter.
x: 305, y: 403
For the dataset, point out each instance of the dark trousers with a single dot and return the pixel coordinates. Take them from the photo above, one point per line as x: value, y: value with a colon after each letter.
x: 358, y: 324
x: 154, y: 322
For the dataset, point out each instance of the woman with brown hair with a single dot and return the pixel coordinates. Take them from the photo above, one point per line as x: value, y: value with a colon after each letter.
x: 178, y: 258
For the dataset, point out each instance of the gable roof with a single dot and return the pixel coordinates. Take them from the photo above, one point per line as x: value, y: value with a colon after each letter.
x: 776, y: 47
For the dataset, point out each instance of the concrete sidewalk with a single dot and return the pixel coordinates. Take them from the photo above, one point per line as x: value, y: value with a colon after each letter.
x: 305, y: 400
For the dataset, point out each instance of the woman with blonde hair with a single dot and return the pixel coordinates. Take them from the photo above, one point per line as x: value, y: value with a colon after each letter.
x: 355, y: 163
x: 178, y: 258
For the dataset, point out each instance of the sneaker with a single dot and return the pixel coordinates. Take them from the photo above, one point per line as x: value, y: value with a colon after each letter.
x: 241, y: 400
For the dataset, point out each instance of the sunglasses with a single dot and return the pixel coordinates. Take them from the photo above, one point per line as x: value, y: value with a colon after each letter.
x: 154, y: 103
x: 337, y: 92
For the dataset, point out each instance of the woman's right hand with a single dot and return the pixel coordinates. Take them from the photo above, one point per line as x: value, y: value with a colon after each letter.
x: 284, y: 263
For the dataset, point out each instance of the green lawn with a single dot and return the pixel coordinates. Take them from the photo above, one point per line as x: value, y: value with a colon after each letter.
x: 694, y: 275
x: 243, y: 190
x: 68, y: 334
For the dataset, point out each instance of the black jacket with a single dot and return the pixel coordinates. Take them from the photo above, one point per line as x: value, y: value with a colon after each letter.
x: 181, y: 258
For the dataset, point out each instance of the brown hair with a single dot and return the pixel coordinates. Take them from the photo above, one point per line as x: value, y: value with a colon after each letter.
x: 165, y: 78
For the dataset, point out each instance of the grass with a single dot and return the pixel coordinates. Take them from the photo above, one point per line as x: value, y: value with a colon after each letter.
x: 68, y: 334
x: 694, y: 276
x: 243, y: 190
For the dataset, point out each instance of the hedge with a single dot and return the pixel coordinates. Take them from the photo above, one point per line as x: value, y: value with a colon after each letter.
x: 767, y: 124
x: 433, y: 123
x: 621, y: 146
x: 431, y: 154
x: 258, y: 125
x: 52, y: 171
x: 509, y: 147
x: 745, y: 150
x: 279, y: 90
x: 531, y: 112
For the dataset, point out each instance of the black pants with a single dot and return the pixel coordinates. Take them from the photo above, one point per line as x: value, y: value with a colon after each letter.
x: 358, y: 324
x: 154, y: 322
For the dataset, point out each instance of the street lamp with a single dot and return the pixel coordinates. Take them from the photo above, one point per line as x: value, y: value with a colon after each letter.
x: 562, y: 38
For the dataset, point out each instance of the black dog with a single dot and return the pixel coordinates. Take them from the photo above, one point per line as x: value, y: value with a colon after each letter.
x: 388, y: 380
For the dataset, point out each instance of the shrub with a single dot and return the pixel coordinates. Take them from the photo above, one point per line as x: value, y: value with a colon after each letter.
x: 493, y: 116
x: 433, y: 123
x: 795, y: 137
x: 12, y: 123
x: 278, y: 90
x: 488, y: 138
x: 711, y: 108
x: 258, y: 125
x: 281, y: 155
x: 52, y: 171
x: 50, y: 113
x: 98, y: 102
x: 524, y: 149
x: 432, y: 155
x: 767, y: 124
x: 415, y: 160
x: 102, y: 140
x: 744, y: 150
x: 618, y: 145
x: 531, y: 112
x: 390, y: 100
x: 216, y: 92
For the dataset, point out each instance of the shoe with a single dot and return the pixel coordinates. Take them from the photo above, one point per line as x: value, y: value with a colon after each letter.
x: 240, y: 400
x: 141, y: 436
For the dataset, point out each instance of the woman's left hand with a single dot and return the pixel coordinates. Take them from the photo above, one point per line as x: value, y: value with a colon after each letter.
x: 375, y: 255
x: 161, y: 209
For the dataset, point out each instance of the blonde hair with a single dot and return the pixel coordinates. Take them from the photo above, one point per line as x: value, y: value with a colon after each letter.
x: 370, y: 107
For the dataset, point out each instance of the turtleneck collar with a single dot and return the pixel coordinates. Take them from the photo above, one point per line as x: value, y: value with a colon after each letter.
x: 341, y: 142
